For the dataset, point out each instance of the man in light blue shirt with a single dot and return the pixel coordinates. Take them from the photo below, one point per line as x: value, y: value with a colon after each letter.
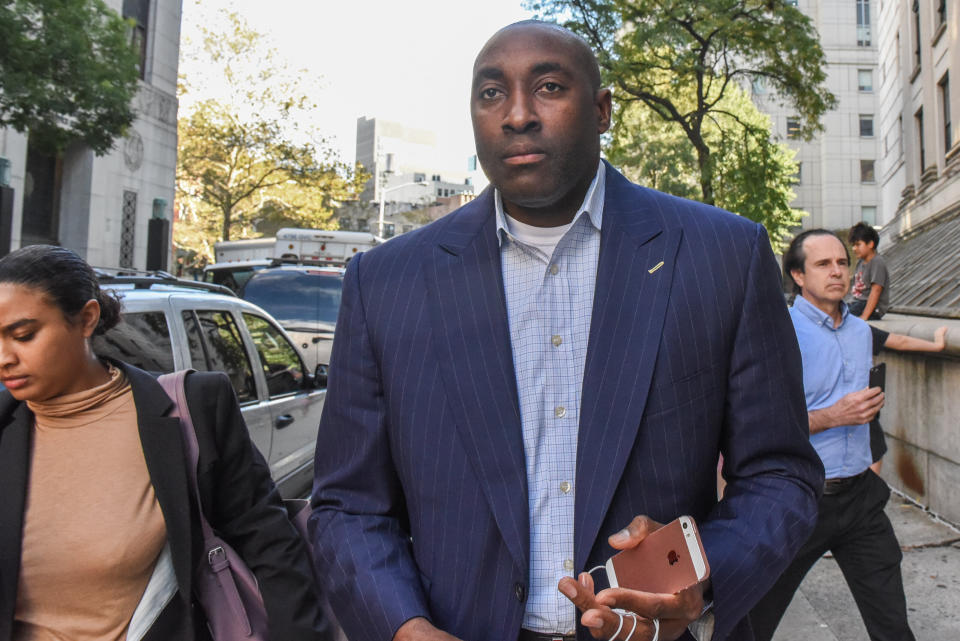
x: 836, y: 349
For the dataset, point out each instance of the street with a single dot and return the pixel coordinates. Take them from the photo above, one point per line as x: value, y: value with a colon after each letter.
x: 823, y: 609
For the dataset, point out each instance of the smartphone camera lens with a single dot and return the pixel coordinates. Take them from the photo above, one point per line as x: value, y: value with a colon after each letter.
x: 684, y: 526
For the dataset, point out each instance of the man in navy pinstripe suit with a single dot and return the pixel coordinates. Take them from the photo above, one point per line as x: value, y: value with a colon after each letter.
x: 512, y: 385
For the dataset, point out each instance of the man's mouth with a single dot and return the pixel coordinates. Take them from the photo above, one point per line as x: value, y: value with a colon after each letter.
x: 525, y: 156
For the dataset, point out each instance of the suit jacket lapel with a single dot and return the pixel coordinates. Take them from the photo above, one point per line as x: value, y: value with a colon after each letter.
x: 14, y: 472
x: 472, y: 340
x: 634, y: 274
x: 163, y: 450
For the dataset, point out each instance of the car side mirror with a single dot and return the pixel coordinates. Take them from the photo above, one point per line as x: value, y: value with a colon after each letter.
x: 320, y: 376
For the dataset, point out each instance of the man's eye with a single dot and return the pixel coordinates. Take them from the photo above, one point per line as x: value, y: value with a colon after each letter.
x: 489, y: 93
x: 23, y: 338
x: 551, y: 87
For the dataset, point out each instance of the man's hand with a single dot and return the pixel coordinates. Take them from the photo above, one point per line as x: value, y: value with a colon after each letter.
x: 855, y: 408
x: 419, y: 629
x: 675, y: 611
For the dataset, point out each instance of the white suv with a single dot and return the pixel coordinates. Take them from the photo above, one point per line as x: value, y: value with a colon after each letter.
x: 169, y: 325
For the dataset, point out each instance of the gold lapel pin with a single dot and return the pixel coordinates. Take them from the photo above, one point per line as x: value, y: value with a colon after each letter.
x: 655, y: 267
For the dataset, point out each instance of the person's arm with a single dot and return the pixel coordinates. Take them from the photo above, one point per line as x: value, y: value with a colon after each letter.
x: 247, y: 511
x: 904, y: 343
x: 872, y: 300
x: 359, y: 529
x: 856, y: 408
x: 774, y: 476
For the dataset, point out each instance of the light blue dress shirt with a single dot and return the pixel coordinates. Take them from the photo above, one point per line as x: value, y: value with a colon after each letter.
x: 549, y: 305
x: 836, y: 361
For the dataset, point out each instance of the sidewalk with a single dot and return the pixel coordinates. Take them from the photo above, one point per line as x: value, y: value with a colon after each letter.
x: 823, y: 609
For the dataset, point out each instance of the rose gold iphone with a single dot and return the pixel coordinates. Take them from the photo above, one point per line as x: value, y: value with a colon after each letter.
x: 666, y: 562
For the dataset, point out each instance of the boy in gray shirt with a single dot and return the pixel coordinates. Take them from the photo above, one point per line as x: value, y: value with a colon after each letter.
x: 870, y: 287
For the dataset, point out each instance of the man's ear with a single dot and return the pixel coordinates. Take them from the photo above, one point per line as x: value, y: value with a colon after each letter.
x: 604, y: 104
x: 797, y: 277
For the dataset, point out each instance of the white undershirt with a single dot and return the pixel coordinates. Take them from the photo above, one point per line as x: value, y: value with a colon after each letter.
x: 543, y: 238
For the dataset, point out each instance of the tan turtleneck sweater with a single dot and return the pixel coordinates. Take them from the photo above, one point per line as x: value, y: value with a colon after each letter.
x: 92, y: 528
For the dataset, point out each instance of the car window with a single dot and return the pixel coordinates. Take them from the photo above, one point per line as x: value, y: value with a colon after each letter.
x: 198, y: 354
x: 234, y: 278
x: 292, y: 296
x: 225, y: 352
x: 141, y: 339
x: 282, y: 366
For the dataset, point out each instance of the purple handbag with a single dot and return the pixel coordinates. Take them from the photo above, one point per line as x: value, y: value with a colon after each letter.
x: 225, y: 587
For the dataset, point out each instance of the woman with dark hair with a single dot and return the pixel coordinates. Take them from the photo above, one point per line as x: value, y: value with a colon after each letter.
x: 99, y: 535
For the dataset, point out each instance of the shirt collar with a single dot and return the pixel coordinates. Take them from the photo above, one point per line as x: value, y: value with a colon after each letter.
x: 818, y: 316
x: 592, y: 204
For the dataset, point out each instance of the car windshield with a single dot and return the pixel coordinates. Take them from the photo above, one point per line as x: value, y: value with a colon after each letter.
x: 296, y: 296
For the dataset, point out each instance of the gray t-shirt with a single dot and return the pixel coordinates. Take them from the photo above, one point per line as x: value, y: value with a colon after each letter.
x: 864, y: 278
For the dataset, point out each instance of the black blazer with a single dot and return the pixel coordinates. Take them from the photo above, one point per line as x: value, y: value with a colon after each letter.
x: 241, y: 503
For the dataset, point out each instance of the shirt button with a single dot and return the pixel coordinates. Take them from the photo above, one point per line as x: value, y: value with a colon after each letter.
x: 565, y: 487
x: 556, y: 340
x: 520, y: 591
x: 559, y: 411
x: 568, y: 565
x: 554, y: 269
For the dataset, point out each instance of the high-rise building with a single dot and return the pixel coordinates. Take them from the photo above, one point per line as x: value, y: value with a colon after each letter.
x: 919, y: 103
x: 403, y: 164
x: 837, y: 183
x: 101, y: 207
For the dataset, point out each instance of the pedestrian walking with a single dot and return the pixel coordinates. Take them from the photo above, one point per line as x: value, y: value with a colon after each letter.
x: 851, y: 523
x: 99, y: 536
x: 542, y: 377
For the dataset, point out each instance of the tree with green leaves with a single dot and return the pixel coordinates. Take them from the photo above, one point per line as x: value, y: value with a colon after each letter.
x: 753, y: 173
x: 68, y: 73
x: 656, y: 52
x: 246, y: 163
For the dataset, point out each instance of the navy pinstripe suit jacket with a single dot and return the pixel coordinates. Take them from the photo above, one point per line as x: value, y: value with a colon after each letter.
x: 420, y: 495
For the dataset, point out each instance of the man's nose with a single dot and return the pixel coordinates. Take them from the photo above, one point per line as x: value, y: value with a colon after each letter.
x: 521, y: 115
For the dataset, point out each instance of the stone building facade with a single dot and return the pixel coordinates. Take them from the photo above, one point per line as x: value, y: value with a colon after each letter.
x: 101, y: 206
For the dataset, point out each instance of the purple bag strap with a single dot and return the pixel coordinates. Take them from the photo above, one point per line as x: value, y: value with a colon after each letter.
x: 173, y: 385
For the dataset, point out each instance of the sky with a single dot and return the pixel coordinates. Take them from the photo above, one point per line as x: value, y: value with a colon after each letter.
x: 408, y: 61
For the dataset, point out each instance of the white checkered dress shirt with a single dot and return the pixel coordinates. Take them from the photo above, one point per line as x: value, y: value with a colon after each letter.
x: 549, y: 304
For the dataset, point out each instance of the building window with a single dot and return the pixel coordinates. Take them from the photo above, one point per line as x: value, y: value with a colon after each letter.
x: 128, y: 225
x: 363, y: 224
x: 798, y: 177
x: 792, y: 3
x: 864, y: 80
x: 863, y: 23
x: 944, y: 86
x: 419, y: 178
x: 138, y: 11
x: 868, y: 214
x: 916, y: 33
x: 919, y: 119
x: 346, y: 223
x: 942, y: 12
x: 866, y: 126
x: 759, y: 86
x: 793, y: 128
x: 866, y: 172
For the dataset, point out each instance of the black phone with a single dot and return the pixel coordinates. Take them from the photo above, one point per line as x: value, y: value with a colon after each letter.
x: 878, y: 376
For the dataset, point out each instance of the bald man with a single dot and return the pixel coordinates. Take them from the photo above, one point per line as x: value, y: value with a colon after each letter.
x: 544, y: 376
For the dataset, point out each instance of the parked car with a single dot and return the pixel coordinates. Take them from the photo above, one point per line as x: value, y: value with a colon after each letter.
x: 169, y: 324
x: 306, y: 301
